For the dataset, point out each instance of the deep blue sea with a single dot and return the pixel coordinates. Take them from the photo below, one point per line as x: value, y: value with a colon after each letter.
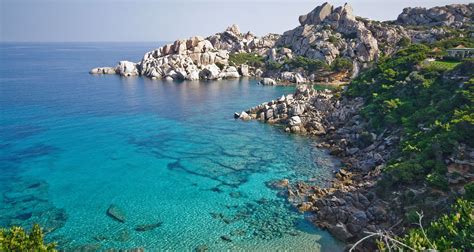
x: 72, y: 144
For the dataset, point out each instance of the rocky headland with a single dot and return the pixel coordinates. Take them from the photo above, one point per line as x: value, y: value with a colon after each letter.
x: 311, y: 52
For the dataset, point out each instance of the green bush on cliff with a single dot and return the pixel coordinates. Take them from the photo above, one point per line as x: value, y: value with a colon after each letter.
x: 310, y: 65
x: 453, y: 231
x: 433, y: 112
x: 251, y: 59
x: 16, y: 239
x: 341, y: 64
x: 469, y: 188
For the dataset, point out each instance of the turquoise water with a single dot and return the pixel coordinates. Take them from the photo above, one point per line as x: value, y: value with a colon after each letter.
x: 72, y: 144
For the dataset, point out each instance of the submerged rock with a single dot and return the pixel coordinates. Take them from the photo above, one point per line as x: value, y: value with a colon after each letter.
x: 116, y: 213
x: 148, y: 227
x: 202, y: 248
x: 226, y: 238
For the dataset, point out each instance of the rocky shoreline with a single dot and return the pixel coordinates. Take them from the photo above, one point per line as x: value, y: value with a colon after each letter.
x: 349, y: 206
x: 353, y: 203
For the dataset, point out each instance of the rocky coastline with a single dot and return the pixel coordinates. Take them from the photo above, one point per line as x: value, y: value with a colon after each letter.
x: 352, y: 204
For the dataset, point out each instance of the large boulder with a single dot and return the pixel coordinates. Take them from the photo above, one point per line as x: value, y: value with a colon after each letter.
x: 244, y: 70
x: 210, y: 72
x: 229, y: 73
x: 268, y: 82
x: 127, y: 68
x: 295, y: 121
x: 194, y: 75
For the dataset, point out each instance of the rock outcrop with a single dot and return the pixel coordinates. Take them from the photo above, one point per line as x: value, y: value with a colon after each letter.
x: 455, y: 15
x: 197, y: 57
x: 327, y: 33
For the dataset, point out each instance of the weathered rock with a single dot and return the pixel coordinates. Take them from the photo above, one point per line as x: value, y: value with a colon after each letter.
x: 229, y: 73
x: 210, y: 72
x: 317, y: 15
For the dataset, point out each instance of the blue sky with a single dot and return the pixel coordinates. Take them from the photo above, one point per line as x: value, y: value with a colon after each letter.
x: 166, y: 20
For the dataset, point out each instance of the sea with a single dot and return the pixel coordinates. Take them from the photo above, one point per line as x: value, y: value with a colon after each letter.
x: 165, y: 157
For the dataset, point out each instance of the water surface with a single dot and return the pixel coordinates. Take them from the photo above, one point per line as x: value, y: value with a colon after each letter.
x: 72, y: 144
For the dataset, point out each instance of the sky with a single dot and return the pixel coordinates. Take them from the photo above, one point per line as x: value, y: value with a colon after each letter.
x: 168, y: 20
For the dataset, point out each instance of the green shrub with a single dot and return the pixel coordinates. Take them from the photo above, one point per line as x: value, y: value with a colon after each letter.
x: 453, y: 231
x: 237, y: 59
x: 437, y: 180
x: 273, y: 65
x: 333, y: 39
x: 469, y: 195
x: 16, y: 239
x: 310, y: 65
x: 342, y: 64
x: 404, y: 42
x: 434, y: 113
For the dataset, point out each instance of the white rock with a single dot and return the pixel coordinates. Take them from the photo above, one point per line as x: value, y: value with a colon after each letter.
x: 210, y: 72
x: 268, y: 82
x: 194, y: 75
x: 127, y: 68
x: 295, y: 121
x: 229, y: 73
x: 244, y: 116
x: 103, y: 70
x: 244, y: 70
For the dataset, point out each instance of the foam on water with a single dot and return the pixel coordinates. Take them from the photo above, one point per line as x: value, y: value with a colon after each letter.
x: 72, y: 144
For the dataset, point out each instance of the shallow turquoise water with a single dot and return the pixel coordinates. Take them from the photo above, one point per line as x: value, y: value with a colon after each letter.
x: 72, y: 144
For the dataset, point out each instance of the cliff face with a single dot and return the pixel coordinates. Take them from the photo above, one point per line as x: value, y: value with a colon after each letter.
x: 324, y: 34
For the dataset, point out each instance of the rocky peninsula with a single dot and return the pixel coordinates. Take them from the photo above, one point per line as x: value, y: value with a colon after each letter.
x: 331, y: 44
x: 325, y: 36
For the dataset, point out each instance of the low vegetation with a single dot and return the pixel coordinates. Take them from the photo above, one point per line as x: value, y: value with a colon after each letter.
x: 431, y: 105
x: 451, y: 231
x: 17, y: 239
x: 435, y: 113
x: 255, y: 60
